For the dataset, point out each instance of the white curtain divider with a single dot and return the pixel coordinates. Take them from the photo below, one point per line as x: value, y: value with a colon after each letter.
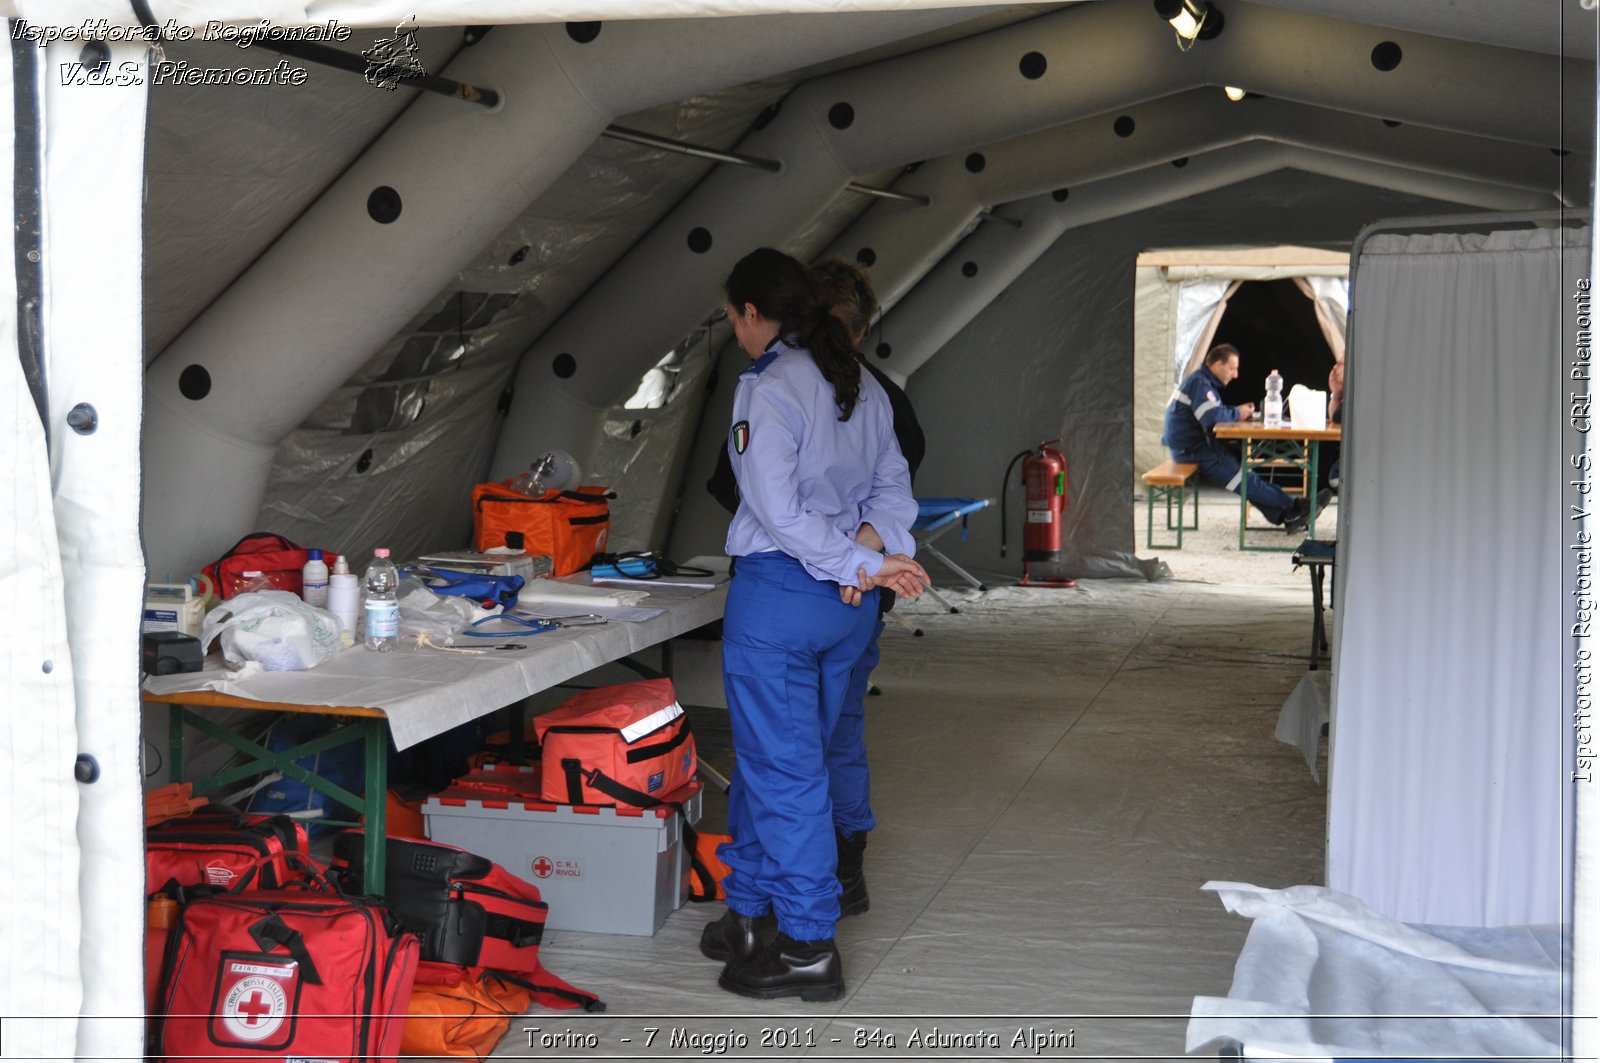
x: 1449, y: 796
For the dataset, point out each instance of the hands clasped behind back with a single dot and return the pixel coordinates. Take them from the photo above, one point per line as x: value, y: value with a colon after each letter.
x: 899, y: 572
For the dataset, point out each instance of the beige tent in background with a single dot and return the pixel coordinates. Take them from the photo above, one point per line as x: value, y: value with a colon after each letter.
x: 1179, y: 296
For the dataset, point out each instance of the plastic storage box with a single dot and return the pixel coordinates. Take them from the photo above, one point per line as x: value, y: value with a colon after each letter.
x: 607, y: 870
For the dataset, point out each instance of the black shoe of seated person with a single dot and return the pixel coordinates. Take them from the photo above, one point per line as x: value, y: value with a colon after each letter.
x: 1299, y: 513
x: 853, y: 898
x: 1324, y: 496
x: 810, y: 970
x: 735, y: 938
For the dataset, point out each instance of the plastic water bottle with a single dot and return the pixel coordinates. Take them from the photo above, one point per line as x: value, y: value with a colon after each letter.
x: 382, y: 607
x: 1272, y: 409
x: 314, y: 580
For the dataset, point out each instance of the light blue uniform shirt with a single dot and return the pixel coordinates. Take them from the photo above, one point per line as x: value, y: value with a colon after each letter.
x: 808, y: 480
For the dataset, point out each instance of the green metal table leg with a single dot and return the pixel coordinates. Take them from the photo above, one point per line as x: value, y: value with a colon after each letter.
x: 1244, y: 501
x: 1312, y: 447
x: 375, y: 735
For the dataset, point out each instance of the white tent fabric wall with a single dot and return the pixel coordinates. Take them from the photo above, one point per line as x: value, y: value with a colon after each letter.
x: 75, y: 847
x: 1450, y: 754
x: 39, y: 968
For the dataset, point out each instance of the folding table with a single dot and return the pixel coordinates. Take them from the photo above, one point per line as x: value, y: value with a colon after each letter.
x: 935, y: 517
x: 411, y: 694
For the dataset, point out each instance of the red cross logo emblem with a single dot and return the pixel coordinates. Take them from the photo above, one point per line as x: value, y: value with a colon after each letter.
x: 254, y: 1007
x: 543, y: 867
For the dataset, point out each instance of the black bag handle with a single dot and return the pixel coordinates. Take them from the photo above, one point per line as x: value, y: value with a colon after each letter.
x: 589, y: 1001
x: 274, y: 931
x: 616, y: 790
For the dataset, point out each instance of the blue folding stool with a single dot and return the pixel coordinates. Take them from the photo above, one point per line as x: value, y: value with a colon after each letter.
x: 935, y: 517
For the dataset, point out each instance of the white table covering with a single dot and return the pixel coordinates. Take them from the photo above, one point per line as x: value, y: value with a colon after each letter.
x: 424, y: 692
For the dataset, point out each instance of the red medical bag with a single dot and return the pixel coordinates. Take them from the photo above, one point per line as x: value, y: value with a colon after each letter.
x: 219, y: 848
x: 626, y: 744
x: 466, y: 909
x: 285, y: 974
x: 260, y: 557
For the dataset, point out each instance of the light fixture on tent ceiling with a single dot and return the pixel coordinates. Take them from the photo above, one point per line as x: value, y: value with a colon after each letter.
x: 1191, y: 20
x: 1233, y: 92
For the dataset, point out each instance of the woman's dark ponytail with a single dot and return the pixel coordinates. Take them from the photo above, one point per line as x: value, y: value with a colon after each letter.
x: 785, y: 291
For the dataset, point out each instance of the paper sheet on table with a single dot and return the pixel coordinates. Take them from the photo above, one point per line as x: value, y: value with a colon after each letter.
x: 576, y: 596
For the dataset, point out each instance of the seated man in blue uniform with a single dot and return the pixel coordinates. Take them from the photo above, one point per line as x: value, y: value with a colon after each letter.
x: 1195, y: 410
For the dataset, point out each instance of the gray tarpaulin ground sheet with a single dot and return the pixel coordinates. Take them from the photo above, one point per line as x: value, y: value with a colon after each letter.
x: 1322, y: 975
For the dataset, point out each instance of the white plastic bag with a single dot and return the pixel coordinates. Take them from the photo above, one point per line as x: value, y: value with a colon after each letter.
x: 274, y: 628
x: 1308, y: 408
x: 436, y: 615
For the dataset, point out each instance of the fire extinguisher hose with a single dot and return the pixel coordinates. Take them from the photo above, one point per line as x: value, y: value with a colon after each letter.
x: 1004, y: 485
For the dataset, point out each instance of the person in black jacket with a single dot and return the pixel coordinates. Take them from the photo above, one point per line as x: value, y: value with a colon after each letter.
x: 855, y: 303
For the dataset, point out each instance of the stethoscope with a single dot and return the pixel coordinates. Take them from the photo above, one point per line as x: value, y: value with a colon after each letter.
x: 527, y: 625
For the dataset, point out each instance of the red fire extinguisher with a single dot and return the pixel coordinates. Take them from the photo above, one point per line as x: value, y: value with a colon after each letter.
x: 1044, y: 480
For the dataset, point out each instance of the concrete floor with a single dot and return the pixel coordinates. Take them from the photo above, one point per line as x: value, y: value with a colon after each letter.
x: 1056, y: 774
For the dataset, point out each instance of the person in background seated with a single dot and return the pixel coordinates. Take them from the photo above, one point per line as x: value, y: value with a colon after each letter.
x: 819, y: 473
x: 1195, y: 410
x: 1335, y: 415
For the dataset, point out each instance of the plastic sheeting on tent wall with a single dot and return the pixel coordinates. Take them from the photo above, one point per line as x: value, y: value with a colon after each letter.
x: 1451, y: 747
x: 425, y: 411
x: 72, y: 942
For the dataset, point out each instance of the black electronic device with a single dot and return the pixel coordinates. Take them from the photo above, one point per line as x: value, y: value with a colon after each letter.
x: 169, y: 652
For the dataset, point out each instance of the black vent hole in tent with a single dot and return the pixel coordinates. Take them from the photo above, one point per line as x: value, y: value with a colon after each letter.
x: 1275, y: 327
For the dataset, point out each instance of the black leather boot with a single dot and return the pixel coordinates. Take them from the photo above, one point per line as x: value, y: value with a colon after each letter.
x: 810, y: 970
x: 735, y: 937
x: 852, y: 878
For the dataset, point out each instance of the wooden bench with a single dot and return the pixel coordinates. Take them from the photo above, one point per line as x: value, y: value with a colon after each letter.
x: 1168, y: 482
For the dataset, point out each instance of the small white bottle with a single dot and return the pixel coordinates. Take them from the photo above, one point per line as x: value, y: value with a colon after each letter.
x: 382, y: 609
x: 314, y: 580
x: 344, y: 599
x: 1272, y: 408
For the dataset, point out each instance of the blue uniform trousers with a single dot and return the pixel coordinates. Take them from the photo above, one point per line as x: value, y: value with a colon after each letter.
x: 1222, y: 469
x: 789, y: 650
x: 848, y: 783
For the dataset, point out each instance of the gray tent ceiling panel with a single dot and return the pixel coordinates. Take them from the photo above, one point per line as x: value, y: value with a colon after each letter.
x: 987, y: 262
x: 228, y: 168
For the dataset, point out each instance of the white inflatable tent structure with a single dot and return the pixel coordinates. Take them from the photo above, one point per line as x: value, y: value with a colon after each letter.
x: 300, y: 302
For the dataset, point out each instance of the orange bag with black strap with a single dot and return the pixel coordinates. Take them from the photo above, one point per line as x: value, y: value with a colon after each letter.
x: 569, y: 526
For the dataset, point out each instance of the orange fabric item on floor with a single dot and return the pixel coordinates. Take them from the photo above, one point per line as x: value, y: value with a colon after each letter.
x: 466, y: 1019
x: 172, y: 801
x: 705, y: 847
x: 402, y: 818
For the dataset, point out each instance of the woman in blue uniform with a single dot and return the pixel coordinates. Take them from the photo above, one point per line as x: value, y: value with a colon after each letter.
x: 820, y: 476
